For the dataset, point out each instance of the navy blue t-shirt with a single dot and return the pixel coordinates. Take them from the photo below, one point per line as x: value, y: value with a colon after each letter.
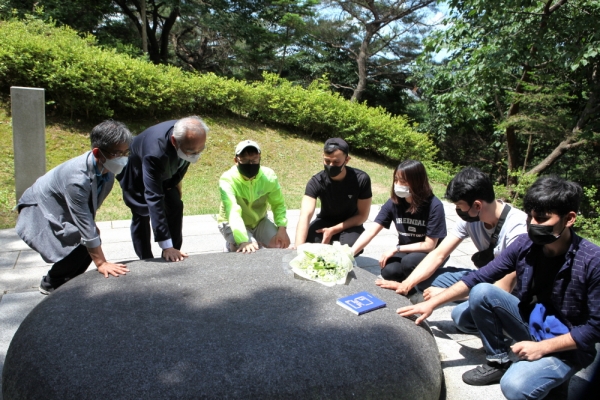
x: 429, y: 220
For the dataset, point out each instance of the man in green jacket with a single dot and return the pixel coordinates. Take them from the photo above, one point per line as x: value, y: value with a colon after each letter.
x: 245, y: 190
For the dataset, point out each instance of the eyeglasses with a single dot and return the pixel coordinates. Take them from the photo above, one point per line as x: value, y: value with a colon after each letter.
x: 117, y: 154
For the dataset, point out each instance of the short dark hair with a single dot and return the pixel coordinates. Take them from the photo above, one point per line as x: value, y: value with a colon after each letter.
x: 109, y: 133
x: 248, y: 151
x: 469, y: 185
x: 553, y: 194
x: 413, y: 172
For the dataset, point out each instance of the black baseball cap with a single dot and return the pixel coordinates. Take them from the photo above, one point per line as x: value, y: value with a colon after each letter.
x: 333, y: 144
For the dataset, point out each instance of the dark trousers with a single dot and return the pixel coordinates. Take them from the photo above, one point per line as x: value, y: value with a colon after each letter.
x: 76, y: 263
x: 399, y: 267
x: 349, y: 236
x: 141, y: 230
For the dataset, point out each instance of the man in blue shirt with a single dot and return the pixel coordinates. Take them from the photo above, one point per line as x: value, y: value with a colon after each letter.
x: 555, y: 316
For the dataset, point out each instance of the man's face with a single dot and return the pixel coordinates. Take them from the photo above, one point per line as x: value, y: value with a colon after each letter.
x: 472, y: 209
x: 335, y: 159
x: 114, y: 151
x: 248, y: 159
x: 546, y: 219
x: 191, y: 144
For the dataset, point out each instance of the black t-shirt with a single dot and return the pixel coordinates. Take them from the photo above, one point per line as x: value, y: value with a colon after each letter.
x: 339, y: 199
x: 544, y: 275
x: 429, y: 220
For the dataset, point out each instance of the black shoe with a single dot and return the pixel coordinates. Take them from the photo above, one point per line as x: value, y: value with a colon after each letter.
x: 49, y: 285
x: 485, y: 374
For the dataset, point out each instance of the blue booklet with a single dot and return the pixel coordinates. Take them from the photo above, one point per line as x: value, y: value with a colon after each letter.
x: 361, y: 302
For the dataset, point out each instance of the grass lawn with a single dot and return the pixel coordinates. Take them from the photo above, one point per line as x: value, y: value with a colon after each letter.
x: 294, y: 159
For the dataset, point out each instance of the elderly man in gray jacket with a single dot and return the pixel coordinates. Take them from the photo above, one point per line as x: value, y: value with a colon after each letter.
x: 56, y: 214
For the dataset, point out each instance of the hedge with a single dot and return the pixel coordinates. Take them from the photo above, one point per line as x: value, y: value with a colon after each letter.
x: 81, y: 78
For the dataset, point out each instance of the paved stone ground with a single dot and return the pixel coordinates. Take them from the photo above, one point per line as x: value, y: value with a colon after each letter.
x: 21, y: 270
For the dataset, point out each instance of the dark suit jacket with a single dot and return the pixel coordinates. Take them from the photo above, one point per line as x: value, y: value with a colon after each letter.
x: 152, y: 169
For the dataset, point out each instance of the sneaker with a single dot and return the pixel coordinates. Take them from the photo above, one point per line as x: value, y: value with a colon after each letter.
x: 46, y: 286
x: 485, y: 374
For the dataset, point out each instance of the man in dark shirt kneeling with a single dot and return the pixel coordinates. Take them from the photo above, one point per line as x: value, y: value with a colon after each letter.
x: 555, y: 317
x: 345, y: 195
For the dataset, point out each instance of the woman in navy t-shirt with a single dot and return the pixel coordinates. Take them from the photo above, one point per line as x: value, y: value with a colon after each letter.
x: 419, y: 219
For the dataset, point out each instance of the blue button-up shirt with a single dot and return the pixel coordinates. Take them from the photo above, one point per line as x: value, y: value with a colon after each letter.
x: 575, y: 293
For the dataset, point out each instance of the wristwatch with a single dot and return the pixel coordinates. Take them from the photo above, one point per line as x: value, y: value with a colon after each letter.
x: 398, y: 249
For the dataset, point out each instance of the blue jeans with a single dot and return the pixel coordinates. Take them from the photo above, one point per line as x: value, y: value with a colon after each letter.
x: 535, y: 379
x: 495, y: 312
x: 444, y: 278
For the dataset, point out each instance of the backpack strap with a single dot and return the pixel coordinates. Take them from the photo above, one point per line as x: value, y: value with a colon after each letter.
x: 496, y: 234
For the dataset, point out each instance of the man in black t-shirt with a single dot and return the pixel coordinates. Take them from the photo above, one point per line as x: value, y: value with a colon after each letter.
x: 345, y: 195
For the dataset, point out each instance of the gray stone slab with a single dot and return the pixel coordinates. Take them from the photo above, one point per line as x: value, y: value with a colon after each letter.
x: 13, y: 309
x: 28, y: 109
x: 126, y: 223
x: 30, y: 259
x: 8, y: 259
x: 115, y: 235
x: 10, y: 241
x: 200, y: 225
x: 218, y: 326
x: 20, y: 280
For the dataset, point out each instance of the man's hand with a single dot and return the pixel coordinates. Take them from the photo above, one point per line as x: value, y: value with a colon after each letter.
x: 425, y: 309
x: 282, y: 240
x: 432, y: 291
x: 327, y: 234
x: 392, y: 285
x: 386, y: 256
x: 528, y: 350
x: 247, y: 247
x: 107, y: 268
x: 172, y: 254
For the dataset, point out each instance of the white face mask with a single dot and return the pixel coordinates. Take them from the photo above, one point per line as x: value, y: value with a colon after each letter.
x: 115, y: 165
x: 401, y: 191
x: 188, y: 158
x: 191, y: 159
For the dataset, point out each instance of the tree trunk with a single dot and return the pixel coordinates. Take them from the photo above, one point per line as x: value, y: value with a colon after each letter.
x: 361, y: 62
x: 144, y: 27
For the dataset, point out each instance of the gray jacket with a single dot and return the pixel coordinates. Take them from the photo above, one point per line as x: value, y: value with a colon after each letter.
x: 57, y: 212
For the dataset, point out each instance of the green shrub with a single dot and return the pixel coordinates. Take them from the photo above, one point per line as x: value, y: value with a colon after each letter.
x: 80, y: 78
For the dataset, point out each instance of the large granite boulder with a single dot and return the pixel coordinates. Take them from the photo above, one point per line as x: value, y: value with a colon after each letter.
x: 218, y: 326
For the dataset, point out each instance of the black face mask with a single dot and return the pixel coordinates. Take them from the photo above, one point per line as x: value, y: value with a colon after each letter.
x: 333, y: 171
x: 464, y: 215
x: 248, y: 170
x: 543, y: 234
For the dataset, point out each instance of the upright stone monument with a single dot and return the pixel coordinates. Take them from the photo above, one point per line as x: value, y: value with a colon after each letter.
x: 29, y: 135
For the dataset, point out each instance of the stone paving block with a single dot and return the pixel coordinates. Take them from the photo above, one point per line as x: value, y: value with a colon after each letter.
x: 21, y: 280
x: 8, y: 259
x: 200, y: 225
x: 124, y: 223
x: 30, y: 259
x: 10, y: 241
x: 112, y: 235
x: 13, y: 310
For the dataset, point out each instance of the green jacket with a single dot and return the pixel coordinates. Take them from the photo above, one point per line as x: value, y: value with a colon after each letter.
x: 244, y: 202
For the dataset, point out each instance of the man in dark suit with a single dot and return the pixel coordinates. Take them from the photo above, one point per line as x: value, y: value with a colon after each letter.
x: 151, y: 183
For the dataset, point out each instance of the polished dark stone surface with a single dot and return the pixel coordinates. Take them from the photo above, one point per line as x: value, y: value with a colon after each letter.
x: 218, y: 326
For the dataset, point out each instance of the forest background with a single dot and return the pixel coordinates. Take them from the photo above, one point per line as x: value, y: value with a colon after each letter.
x: 510, y: 86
